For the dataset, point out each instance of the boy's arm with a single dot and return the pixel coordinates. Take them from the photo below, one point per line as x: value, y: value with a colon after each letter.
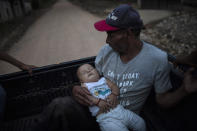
x: 112, y: 98
x: 114, y: 89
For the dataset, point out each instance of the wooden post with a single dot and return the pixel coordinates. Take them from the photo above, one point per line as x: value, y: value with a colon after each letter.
x: 12, y: 7
x: 22, y: 6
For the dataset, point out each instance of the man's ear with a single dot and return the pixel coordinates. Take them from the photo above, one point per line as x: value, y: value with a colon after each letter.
x: 130, y: 32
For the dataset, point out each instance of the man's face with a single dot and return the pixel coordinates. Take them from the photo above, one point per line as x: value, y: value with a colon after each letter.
x: 87, y: 73
x: 118, y: 40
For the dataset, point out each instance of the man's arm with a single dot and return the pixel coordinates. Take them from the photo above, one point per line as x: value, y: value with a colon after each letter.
x: 188, y: 60
x: 90, y: 97
x: 81, y: 95
x: 189, y: 85
x: 170, y: 99
x: 15, y: 62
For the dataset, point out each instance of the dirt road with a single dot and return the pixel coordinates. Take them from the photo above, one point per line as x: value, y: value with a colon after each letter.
x: 64, y: 33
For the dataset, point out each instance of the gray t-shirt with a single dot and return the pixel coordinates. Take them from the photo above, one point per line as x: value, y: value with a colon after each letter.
x: 135, y: 78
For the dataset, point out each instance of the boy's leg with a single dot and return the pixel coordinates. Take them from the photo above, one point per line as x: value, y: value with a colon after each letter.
x: 111, y: 124
x: 65, y: 114
x: 113, y: 120
x: 134, y: 121
x: 2, y: 102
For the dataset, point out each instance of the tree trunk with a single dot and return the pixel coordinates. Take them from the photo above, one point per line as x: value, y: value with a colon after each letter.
x: 36, y: 4
x: 12, y: 7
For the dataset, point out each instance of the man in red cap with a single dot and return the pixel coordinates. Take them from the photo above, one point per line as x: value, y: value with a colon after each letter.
x: 134, y: 65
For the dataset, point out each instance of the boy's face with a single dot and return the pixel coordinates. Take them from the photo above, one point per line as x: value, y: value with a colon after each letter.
x: 87, y: 73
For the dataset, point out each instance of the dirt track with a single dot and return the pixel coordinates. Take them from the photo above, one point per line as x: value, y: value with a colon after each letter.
x: 64, y: 33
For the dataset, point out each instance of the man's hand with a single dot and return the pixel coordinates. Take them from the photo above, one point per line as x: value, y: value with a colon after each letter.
x: 190, y: 82
x: 27, y: 68
x: 112, y: 100
x: 81, y: 94
x: 189, y: 60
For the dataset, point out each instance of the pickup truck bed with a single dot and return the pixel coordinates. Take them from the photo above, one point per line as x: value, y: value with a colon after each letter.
x: 28, y: 95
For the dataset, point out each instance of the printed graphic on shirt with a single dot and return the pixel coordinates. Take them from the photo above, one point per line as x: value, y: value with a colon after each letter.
x: 125, y: 80
x: 100, y: 91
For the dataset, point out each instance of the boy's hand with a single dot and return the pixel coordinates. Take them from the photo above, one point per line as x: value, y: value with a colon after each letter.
x: 81, y: 94
x: 112, y: 100
x: 104, y: 106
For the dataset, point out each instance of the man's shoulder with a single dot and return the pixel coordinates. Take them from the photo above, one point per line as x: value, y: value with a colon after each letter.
x: 105, y: 51
x: 154, y: 51
x: 106, y: 47
x: 156, y: 56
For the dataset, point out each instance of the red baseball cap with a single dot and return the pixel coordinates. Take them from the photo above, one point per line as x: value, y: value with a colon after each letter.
x: 103, y: 26
x: 122, y: 17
